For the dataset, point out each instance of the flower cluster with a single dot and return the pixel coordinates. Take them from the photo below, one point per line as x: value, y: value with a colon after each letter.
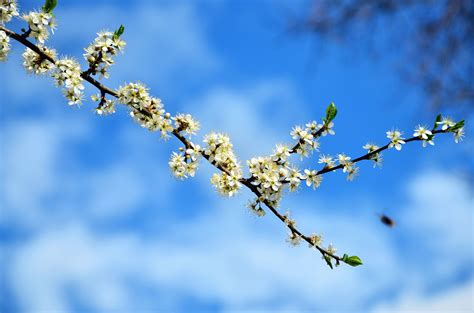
x: 4, y: 45
x: 425, y: 134
x: 282, y: 153
x: 316, y: 240
x: 396, y: 139
x: 186, y: 123
x: 134, y: 95
x: 269, y: 175
x: 147, y: 111
x: 178, y: 165
x: 458, y: 134
x: 34, y: 63
x: 8, y: 9
x: 219, y: 151
x: 227, y: 185
x: 185, y: 165
x: 105, y: 107
x: 347, y: 166
x: 40, y: 24
x: 446, y: 122
x: 376, y: 157
x: 100, y: 52
x: 68, y: 74
x: 327, y: 160
x: 306, y: 141
x: 456, y: 128
x: 312, y: 178
x: 256, y: 208
x: 293, y: 239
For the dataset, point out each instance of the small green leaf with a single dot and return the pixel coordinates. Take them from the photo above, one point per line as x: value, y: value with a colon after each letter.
x: 49, y: 6
x: 351, y: 260
x: 457, y: 126
x: 119, y: 32
x: 439, y: 117
x: 331, y: 113
x: 327, y: 258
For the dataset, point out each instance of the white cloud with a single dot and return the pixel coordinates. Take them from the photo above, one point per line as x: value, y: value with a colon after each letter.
x: 28, y: 163
x: 221, y: 256
x: 162, y: 40
x: 457, y: 300
x: 440, y: 217
x: 254, y: 117
x: 40, y: 189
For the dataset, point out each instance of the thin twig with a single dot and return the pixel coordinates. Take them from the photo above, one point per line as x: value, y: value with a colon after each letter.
x: 104, y: 90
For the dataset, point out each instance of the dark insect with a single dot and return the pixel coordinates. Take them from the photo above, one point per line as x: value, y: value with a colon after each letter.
x: 387, y: 220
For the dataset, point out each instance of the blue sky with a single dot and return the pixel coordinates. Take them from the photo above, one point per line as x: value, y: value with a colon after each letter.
x: 91, y: 219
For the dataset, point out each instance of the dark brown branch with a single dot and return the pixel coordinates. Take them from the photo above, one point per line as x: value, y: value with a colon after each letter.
x: 177, y: 133
x: 246, y: 182
x: 373, y: 153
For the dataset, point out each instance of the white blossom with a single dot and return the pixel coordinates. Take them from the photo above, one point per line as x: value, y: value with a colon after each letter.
x: 306, y: 142
x: 312, y: 178
x: 328, y: 129
x: 316, y: 240
x: 186, y: 123
x: 301, y: 134
x: 219, y: 149
x: 376, y: 157
x: 194, y: 152
x: 395, y: 139
x: 351, y: 170
x: 343, y: 159
x: 294, y: 178
x: 68, y: 74
x: 146, y: 111
x: 348, y: 166
x: 370, y: 147
x: 4, y: 45
x: 293, y: 239
x: 256, y: 208
x: 281, y: 153
x: 446, y: 123
x: 8, y: 10
x: 327, y: 160
x: 423, y: 133
x: 331, y: 249
x: 36, y: 64
x: 106, y: 106
x: 178, y: 165
x: 100, y: 52
x: 227, y: 185
x: 135, y: 95
x: 268, y: 175
x: 458, y: 134
x: 40, y: 24
x: 313, y: 127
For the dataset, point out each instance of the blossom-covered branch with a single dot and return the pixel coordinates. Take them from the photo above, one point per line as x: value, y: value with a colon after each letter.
x: 270, y: 176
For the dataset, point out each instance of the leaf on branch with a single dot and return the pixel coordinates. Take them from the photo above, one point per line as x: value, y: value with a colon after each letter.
x: 119, y: 32
x: 327, y: 258
x: 331, y: 113
x: 457, y: 126
x: 439, y: 117
x: 49, y: 6
x: 351, y: 260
